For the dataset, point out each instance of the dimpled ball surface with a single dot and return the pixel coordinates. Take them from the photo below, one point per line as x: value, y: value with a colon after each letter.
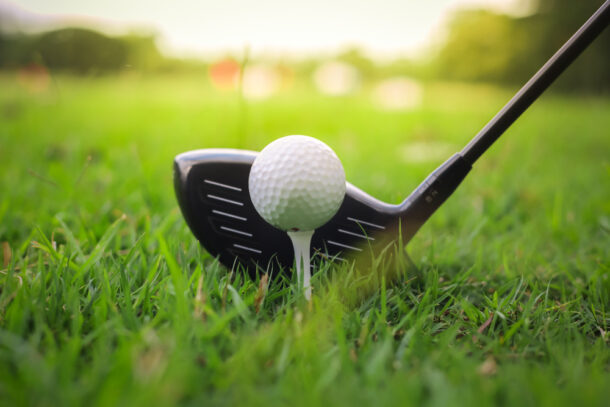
x: 297, y: 183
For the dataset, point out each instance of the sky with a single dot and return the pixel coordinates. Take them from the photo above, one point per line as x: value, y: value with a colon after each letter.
x: 203, y: 27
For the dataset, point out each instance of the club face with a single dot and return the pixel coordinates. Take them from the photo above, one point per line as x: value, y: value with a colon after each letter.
x: 212, y: 190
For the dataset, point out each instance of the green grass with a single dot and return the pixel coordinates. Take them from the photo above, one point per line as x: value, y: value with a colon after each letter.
x: 107, y: 299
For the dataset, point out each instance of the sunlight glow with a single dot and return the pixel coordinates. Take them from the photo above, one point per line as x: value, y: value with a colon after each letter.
x: 194, y: 28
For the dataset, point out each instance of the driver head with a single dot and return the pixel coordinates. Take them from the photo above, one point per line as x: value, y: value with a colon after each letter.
x: 212, y: 190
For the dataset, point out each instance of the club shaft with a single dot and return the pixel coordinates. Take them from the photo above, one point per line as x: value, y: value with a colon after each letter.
x: 538, y: 84
x: 439, y: 185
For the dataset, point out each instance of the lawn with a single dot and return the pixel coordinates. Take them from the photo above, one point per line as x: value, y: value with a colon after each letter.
x: 107, y: 299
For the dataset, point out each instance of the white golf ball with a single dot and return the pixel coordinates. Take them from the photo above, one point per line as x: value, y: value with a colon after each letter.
x: 297, y: 183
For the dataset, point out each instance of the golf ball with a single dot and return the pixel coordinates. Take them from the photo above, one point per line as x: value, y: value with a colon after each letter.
x: 297, y: 183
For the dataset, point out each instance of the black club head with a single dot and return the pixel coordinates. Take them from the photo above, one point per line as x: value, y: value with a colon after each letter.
x: 212, y: 190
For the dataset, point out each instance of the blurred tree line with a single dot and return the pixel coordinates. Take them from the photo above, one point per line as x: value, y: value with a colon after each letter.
x: 486, y: 46
x: 85, y: 52
x: 480, y: 46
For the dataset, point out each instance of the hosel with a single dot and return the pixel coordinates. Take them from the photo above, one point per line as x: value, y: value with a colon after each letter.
x: 431, y: 194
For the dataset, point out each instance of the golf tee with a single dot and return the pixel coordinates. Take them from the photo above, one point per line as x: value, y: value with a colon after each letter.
x: 301, y: 242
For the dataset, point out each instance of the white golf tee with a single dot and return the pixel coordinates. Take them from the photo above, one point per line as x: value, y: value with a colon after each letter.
x: 301, y: 241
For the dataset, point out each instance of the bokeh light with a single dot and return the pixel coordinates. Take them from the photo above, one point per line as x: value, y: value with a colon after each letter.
x: 224, y: 74
x: 398, y: 93
x: 336, y: 78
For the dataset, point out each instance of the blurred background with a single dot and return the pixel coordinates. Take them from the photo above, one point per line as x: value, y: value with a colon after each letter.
x: 338, y: 46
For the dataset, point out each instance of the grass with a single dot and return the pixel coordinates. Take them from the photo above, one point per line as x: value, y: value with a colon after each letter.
x: 107, y: 299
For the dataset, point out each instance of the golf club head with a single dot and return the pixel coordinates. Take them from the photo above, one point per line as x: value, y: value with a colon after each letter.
x: 212, y: 190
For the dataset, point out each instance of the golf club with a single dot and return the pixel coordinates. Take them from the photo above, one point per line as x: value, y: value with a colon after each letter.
x: 212, y: 188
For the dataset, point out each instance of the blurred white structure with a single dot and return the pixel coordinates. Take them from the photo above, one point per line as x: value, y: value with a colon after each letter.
x: 336, y: 78
x: 398, y: 93
x: 426, y: 151
x: 260, y: 82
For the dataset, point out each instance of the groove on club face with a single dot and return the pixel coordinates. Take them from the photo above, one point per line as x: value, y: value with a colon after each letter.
x: 212, y: 190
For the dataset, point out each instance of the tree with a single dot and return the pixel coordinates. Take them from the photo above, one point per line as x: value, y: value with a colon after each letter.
x: 486, y: 46
x: 81, y: 51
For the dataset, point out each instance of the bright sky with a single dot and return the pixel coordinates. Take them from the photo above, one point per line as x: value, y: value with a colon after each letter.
x: 199, y: 27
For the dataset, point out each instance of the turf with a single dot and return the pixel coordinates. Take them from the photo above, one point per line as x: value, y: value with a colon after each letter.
x: 107, y: 299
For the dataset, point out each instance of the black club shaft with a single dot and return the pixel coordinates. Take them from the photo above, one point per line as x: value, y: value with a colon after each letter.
x: 538, y: 83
